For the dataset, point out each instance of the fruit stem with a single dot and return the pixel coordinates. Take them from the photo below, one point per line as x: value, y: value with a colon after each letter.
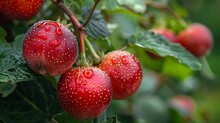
x: 88, y: 44
x: 90, y: 14
x: 73, y: 19
x: 77, y: 29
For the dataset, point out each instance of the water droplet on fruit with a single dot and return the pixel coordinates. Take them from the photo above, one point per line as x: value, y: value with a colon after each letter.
x: 47, y: 29
x: 44, y: 37
x: 59, y: 31
x: 42, y: 25
x: 88, y: 73
x: 55, y: 43
x: 124, y: 59
x: 114, y: 61
x: 79, y: 80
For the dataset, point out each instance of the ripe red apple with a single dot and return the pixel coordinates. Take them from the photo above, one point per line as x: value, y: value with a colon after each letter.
x: 20, y: 9
x: 50, y: 48
x: 84, y: 92
x: 125, y: 73
x: 197, y: 39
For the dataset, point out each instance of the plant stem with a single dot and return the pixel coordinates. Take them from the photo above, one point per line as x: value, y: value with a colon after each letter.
x: 79, y: 30
x: 88, y: 44
x: 73, y: 19
x: 90, y: 14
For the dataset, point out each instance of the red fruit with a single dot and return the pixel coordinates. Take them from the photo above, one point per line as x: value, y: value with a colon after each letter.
x: 124, y: 71
x: 197, y: 39
x: 183, y: 104
x: 20, y: 9
x: 84, y: 92
x: 168, y: 34
x: 49, y: 48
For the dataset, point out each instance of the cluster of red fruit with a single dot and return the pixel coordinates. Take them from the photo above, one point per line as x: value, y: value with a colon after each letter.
x: 196, y: 38
x: 50, y: 48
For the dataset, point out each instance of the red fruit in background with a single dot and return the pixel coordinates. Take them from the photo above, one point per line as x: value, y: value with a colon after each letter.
x: 124, y: 71
x: 197, y: 39
x: 20, y: 9
x: 49, y: 48
x: 183, y: 104
x: 168, y: 34
x: 84, y: 92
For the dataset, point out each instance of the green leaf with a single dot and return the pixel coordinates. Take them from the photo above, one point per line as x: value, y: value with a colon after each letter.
x: 112, y: 119
x: 74, y: 5
x: 17, y: 43
x: 3, y: 34
x: 7, y: 88
x: 31, y: 102
x: 96, y: 27
x: 180, y: 72
x: 162, y: 47
x: 13, y: 67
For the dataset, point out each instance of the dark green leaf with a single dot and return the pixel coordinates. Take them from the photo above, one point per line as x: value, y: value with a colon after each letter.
x: 3, y: 34
x: 31, y: 102
x: 7, y: 88
x: 96, y: 27
x: 112, y: 119
x: 74, y: 5
x: 13, y: 67
x: 159, y: 45
x: 17, y: 44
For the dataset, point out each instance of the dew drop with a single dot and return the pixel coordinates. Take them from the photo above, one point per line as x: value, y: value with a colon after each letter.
x: 44, y: 37
x: 55, y: 43
x: 79, y: 80
x: 124, y: 59
x: 42, y: 25
x: 114, y: 61
x: 58, y: 31
x: 88, y: 73
x: 47, y: 29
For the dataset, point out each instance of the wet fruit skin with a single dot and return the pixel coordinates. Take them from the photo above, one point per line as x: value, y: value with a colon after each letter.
x: 197, y: 39
x: 49, y: 48
x: 20, y: 9
x: 125, y: 73
x: 84, y: 92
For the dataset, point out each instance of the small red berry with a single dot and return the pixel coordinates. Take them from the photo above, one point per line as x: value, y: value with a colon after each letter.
x: 124, y: 71
x: 84, y: 92
x: 49, y: 48
x: 197, y: 39
x: 183, y: 104
x: 20, y: 9
x: 168, y: 34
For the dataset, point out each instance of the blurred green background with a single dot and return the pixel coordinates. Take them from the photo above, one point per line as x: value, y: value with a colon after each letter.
x: 205, y: 11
